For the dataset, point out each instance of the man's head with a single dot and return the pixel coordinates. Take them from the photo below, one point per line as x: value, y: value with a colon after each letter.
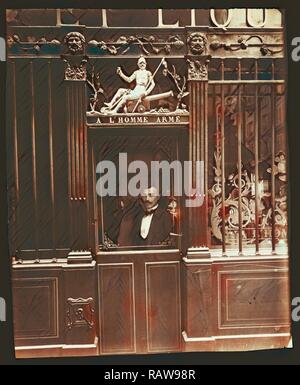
x: 197, y: 43
x: 150, y: 197
x: 142, y: 63
x: 75, y: 42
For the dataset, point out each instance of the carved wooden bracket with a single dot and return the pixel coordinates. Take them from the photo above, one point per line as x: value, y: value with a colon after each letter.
x: 198, y: 67
x: 80, y: 312
x: 75, y: 67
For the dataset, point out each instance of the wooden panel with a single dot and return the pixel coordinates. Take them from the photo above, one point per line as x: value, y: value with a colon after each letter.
x: 59, y: 141
x: 253, y: 298
x: 116, y: 308
x: 38, y: 162
x: 36, y: 308
x: 77, y: 164
x: 24, y: 123
x: 198, y: 304
x: 163, y: 306
x: 80, y: 294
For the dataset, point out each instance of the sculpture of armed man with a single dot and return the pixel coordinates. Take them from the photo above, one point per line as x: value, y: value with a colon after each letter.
x: 144, y: 86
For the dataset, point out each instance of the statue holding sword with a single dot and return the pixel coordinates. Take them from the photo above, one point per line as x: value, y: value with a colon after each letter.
x: 144, y: 86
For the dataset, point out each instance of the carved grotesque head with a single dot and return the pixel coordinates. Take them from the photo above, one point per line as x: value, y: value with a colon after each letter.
x: 197, y: 43
x: 75, y: 42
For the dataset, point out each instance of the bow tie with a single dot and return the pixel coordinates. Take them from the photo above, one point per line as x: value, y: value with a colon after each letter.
x: 150, y: 212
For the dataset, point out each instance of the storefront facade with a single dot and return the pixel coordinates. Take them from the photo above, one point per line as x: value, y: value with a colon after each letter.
x: 221, y: 280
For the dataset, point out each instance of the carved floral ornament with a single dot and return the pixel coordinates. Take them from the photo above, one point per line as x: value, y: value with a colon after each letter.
x: 244, y: 43
x: 75, y: 42
x: 197, y: 44
x: 198, y: 68
x: 147, y: 44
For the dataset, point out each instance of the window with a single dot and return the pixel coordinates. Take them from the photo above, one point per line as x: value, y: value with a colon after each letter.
x: 120, y: 217
x: 247, y: 156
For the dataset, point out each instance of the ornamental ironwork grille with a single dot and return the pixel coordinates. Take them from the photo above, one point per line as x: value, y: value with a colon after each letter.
x: 247, y: 156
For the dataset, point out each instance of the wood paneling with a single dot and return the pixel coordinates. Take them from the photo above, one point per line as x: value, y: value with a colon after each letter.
x: 139, y: 302
x: 77, y: 137
x: 198, y: 300
x: 77, y: 164
x: 235, y: 301
x: 36, y: 308
x: 163, y: 306
x: 116, y: 308
x: 37, y: 160
x: 80, y: 286
x: 254, y: 298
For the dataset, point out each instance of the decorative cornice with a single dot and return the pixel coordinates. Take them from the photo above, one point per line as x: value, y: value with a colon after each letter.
x: 147, y: 44
x: 32, y: 44
x: 246, y: 43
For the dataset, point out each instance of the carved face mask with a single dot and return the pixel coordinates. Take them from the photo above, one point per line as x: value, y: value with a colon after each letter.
x: 197, y: 44
x: 74, y: 44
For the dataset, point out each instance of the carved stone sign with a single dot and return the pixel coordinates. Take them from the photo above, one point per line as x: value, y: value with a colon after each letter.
x: 138, y: 119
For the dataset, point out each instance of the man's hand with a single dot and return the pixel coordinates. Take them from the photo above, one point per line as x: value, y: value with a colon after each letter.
x: 119, y: 71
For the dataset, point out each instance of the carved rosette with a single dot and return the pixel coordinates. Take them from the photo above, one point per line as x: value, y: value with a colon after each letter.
x: 198, y: 68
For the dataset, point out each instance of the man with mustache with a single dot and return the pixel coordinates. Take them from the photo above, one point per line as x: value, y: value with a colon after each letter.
x: 150, y: 224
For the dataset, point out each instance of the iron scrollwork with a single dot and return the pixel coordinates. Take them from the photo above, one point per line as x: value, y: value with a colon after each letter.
x: 248, y: 206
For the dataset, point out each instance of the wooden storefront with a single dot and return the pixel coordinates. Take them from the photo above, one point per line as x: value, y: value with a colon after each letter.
x: 222, y: 282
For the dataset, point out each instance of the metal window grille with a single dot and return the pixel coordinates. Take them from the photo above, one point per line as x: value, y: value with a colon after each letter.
x: 247, y: 155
